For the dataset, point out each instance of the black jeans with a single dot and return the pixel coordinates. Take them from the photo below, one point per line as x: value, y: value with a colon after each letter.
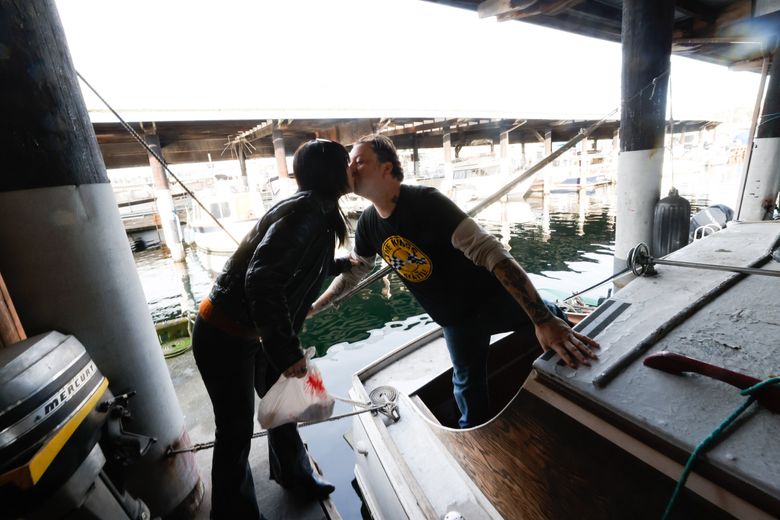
x: 233, y: 370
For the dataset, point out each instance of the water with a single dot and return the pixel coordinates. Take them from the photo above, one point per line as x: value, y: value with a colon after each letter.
x: 564, y: 241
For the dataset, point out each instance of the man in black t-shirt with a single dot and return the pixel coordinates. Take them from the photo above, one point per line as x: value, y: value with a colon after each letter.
x: 461, y: 275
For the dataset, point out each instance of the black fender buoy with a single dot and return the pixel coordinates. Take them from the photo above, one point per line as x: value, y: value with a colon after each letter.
x: 671, y: 223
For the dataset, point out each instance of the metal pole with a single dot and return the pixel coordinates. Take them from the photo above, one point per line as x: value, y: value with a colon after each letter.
x: 714, y: 267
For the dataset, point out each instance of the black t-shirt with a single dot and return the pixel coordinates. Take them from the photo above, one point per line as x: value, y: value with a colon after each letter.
x: 416, y: 241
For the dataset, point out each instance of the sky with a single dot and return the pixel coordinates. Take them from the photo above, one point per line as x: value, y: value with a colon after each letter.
x: 355, y: 58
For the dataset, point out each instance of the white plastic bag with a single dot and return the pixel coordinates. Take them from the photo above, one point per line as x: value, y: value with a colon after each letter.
x: 293, y: 399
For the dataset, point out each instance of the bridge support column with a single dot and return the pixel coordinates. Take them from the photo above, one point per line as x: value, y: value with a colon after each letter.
x: 547, y: 170
x: 165, y: 208
x: 279, y: 152
x: 762, y: 181
x: 522, y: 155
x: 583, y: 162
x: 66, y: 260
x: 242, y: 164
x: 647, y: 45
x: 504, y: 153
x: 415, y: 157
x: 448, y: 170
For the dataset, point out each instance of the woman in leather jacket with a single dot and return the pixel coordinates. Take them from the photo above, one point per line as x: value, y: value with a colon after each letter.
x: 246, y: 333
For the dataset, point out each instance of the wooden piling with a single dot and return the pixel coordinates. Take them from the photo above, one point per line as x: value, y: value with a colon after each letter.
x: 760, y: 184
x: 162, y: 193
x: 504, y: 153
x: 647, y: 45
x: 242, y: 164
x: 11, y: 330
x: 65, y: 257
x: 547, y: 152
x: 447, y: 148
x: 279, y: 152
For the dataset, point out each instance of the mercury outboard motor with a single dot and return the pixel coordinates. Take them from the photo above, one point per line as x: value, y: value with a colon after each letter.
x: 56, y: 418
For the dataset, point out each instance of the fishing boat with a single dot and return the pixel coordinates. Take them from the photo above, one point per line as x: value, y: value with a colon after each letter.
x: 640, y: 433
x: 583, y: 170
x: 236, y: 209
x: 609, y: 440
x: 475, y: 179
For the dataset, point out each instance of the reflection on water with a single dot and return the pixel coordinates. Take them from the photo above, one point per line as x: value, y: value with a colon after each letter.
x: 171, y: 288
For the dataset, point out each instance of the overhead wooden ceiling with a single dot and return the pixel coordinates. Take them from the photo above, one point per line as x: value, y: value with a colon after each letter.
x: 727, y: 32
x: 201, y: 141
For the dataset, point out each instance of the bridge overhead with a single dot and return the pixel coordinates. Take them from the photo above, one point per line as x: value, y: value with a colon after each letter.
x: 195, y: 141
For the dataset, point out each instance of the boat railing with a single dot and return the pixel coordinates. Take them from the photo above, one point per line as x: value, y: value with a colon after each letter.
x: 705, y: 231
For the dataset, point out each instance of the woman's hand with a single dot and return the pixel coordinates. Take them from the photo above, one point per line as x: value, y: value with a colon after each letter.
x: 297, y: 369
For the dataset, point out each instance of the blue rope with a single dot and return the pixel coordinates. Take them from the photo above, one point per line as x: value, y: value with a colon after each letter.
x: 712, y: 437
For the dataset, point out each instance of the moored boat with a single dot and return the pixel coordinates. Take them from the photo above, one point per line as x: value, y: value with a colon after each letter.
x: 606, y: 441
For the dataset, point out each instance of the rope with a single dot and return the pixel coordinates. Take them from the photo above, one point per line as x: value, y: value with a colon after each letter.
x: 602, y: 282
x: 366, y: 407
x: 154, y: 154
x: 712, y: 437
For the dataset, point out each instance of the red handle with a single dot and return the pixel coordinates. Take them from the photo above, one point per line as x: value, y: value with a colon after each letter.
x: 678, y: 363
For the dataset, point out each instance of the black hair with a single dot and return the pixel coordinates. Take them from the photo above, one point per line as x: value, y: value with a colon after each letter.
x: 385, y: 151
x: 321, y: 166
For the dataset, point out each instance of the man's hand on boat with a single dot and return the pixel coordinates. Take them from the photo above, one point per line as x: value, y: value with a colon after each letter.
x: 574, y: 348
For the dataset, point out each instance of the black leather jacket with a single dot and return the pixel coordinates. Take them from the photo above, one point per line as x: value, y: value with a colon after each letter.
x: 277, y: 272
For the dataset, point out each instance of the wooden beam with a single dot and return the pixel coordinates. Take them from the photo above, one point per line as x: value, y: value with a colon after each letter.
x: 696, y: 9
x: 605, y: 29
x: 419, y: 128
x: 199, y: 145
x: 554, y: 8
x: 716, y: 40
x: 264, y: 129
x: 490, y: 8
x: 11, y: 330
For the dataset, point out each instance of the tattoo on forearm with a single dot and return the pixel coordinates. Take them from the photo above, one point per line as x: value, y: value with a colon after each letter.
x: 514, y: 279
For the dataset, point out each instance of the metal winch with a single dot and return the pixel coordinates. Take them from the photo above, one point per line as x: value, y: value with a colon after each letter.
x: 384, y: 399
x: 56, y: 422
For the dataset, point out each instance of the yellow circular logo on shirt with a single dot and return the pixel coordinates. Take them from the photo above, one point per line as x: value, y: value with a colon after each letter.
x: 406, y: 258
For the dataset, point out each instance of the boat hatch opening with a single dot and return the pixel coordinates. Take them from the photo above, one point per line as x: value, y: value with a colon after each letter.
x: 509, y: 362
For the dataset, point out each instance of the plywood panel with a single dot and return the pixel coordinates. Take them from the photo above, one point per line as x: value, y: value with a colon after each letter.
x: 535, y: 462
x: 11, y: 330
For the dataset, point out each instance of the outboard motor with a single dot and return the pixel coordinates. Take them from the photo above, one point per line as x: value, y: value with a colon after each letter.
x: 55, y: 412
x: 671, y: 218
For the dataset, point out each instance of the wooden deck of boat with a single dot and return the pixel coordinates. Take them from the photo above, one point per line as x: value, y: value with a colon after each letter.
x: 534, y: 462
x: 274, y: 501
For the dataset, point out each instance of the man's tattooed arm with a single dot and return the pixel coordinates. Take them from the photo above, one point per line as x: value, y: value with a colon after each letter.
x: 516, y: 282
x: 553, y: 333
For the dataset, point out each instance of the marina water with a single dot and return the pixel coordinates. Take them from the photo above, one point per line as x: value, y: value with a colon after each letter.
x: 564, y: 241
